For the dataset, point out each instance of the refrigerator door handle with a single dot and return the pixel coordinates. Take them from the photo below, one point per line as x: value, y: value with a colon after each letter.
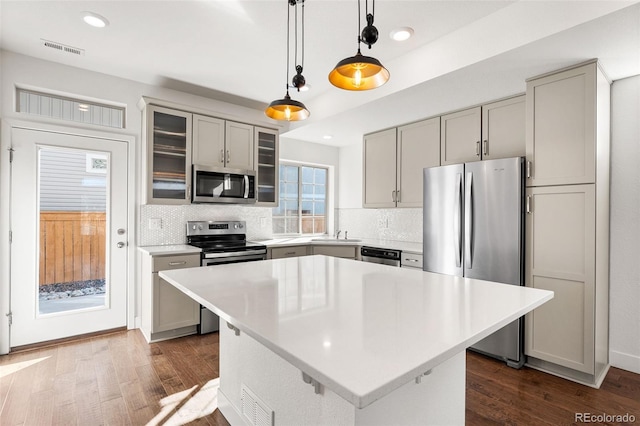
x: 457, y: 234
x: 468, y: 220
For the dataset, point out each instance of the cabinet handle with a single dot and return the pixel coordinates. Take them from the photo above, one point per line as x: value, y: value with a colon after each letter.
x: 528, y: 169
x: 411, y: 260
x: 528, y: 206
x: 228, y: 157
x: 485, y: 144
x: 397, y: 198
x: 222, y: 155
x: 478, y: 148
x: 289, y: 253
x: 183, y: 262
x: 393, y: 196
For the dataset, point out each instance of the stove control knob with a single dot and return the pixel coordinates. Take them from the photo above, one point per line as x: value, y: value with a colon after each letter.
x: 240, y: 226
x: 200, y: 227
x: 235, y: 226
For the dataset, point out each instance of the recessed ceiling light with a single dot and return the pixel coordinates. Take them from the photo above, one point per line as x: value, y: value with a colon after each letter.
x: 401, y: 34
x: 327, y: 137
x: 94, y: 19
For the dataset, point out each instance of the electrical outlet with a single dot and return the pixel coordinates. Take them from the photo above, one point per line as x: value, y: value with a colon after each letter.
x: 155, y: 223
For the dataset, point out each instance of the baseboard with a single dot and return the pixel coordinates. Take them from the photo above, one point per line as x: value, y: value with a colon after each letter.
x: 228, y: 411
x: 625, y: 361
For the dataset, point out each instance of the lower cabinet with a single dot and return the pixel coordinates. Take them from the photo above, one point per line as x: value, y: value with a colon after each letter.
x: 411, y: 260
x: 567, y: 253
x: 166, y: 311
x: 345, y: 251
x: 289, y: 251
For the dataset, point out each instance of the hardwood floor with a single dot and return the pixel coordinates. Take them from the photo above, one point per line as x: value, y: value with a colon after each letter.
x: 119, y: 379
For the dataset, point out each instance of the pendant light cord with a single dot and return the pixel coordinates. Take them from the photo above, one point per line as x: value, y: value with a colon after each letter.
x: 286, y: 83
x: 359, y: 26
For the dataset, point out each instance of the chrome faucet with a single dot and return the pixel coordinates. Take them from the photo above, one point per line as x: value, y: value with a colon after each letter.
x: 338, y: 234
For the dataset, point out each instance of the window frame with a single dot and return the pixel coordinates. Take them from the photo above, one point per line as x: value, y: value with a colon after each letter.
x: 327, y: 214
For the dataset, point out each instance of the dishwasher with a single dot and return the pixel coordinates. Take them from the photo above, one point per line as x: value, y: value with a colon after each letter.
x: 380, y: 255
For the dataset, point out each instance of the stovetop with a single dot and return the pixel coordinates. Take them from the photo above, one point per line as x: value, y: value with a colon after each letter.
x: 220, y: 236
x: 226, y: 246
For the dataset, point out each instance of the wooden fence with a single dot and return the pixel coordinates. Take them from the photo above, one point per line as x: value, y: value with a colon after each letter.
x: 72, y: 246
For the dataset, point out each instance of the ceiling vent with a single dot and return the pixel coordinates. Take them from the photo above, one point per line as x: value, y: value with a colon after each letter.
x: 62, y: 47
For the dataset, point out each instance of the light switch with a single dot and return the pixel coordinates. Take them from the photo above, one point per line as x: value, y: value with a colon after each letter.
x: 155, y: 223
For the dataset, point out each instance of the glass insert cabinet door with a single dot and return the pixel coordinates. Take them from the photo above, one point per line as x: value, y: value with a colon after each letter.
x: 267, y: 170
x: 169, y: 139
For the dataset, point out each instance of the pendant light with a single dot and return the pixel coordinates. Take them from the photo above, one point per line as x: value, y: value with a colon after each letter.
x: 287, y: 109
x: 361, y: 72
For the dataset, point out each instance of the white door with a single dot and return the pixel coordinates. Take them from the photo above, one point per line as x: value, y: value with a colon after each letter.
x: 69, y: 235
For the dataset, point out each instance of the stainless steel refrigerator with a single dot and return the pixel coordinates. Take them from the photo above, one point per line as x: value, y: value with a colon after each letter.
x: 474, y: 227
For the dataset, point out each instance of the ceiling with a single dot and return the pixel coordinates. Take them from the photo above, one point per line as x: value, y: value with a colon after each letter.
x: 462, y: 53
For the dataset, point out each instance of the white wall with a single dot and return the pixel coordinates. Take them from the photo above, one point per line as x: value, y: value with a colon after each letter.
x: 624, y: 312
x: 317, y: 154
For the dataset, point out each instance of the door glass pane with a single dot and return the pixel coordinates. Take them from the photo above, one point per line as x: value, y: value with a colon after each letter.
x: 72, y: 194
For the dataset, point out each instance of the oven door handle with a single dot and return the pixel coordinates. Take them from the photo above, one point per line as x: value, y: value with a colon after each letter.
x: 238, y: 254
x: 246, y: 186
x: 228, y: 260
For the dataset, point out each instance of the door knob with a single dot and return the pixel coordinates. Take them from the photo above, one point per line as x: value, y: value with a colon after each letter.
x: 120, y: 244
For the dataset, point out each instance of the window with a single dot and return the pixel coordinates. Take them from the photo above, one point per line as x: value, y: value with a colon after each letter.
x: 302, y: 207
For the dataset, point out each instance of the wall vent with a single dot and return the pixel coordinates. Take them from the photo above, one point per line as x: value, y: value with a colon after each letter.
x: 62, y: 47
x: 254, y: 410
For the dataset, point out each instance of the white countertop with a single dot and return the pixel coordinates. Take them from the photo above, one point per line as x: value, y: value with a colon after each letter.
x: 406, y: 246
x: 169, y: 249
x: 361, y: 329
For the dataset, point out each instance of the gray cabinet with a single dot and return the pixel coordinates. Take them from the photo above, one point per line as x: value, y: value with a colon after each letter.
x: 166, y: 312
x: 564, y: 123
x: 340, y: 250
x: 267, y: 166
x: 412, y: 147
x: 494, y: 130
x: 168, y: 165
x: 288, y: 251
x: 221, y: 143
x: 503, y: 129
x: 238, y: 146
x: 567, y: 222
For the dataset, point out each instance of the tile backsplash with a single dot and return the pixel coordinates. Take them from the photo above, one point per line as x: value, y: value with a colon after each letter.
x: 386, y: 224
x: 174, y: 219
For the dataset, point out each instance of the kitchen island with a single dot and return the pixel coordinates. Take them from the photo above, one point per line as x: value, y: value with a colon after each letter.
x: 323, y: 340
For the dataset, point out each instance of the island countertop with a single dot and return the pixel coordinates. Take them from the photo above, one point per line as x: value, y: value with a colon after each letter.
x: 360, y: 329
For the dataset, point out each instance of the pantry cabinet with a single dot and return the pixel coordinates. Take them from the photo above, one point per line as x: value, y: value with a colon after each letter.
x: 567, y: 222
x: 166, y: 312
x: 565, y: 112
x: 168, y: 165
x: 412, y: 148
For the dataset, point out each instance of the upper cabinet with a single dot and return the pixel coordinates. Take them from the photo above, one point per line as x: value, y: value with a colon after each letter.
x: 562, y: 127
x: 168, y: 156
x: 266, y: 157
x: 208, y: 141
x: 503, y: 129
x: 494, y: 130
x: 460, y: 137
x: 379, y: 161
x: 177, y: 139
x: 220, y: 143
x: 238, y: 146
x: 418, y: 147
x: 389, y: 183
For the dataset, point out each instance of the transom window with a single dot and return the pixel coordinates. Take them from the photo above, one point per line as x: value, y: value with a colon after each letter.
x: 302, y: 207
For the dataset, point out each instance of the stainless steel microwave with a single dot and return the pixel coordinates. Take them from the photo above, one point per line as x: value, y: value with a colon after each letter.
x: 221, y: 185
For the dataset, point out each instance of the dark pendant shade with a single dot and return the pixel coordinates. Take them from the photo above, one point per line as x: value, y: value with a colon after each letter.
x: 287, y: 109
x: 359, y: 72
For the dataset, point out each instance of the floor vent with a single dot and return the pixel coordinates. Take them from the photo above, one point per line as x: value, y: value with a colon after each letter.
x: 254, y: 410
x: 62, y: 47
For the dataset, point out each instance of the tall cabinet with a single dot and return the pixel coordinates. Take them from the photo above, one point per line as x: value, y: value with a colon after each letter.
x: 567, y: 222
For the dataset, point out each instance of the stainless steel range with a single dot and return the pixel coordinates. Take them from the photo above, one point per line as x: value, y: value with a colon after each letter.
x: 221, y: 242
